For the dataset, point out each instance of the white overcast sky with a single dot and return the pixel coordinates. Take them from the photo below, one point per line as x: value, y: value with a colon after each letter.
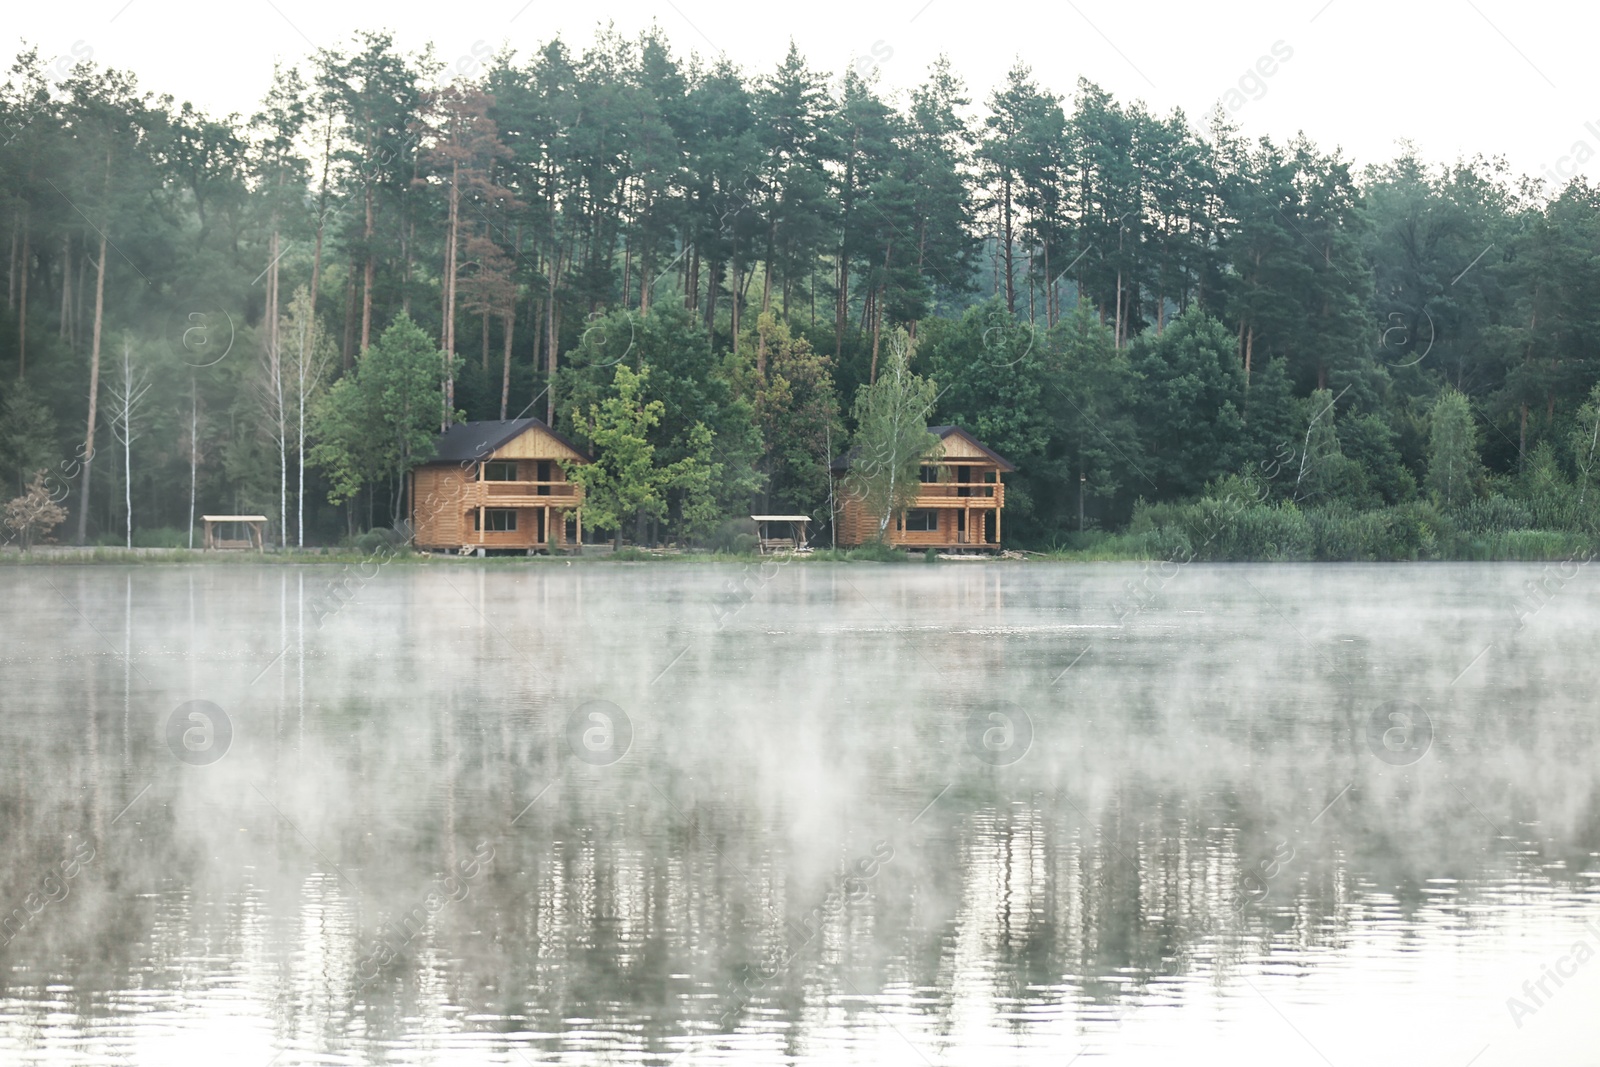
x: 1457, y: 77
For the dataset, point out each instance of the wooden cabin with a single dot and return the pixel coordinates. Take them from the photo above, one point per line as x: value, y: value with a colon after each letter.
x: 497, y: 485
x: 958, y: 503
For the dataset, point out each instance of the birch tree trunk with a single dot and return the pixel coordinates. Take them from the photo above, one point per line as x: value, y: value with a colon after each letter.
x: 194, y: 445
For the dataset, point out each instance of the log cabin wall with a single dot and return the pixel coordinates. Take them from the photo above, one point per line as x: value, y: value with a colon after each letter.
x: 467, y: 504
x: 968, y: 512
x: 961, y: 495
x: 439, y: 509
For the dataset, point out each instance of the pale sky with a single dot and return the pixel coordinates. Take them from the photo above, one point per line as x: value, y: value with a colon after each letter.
x: 1457, y: 77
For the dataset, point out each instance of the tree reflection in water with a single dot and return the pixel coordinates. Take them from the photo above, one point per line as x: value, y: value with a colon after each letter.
x: 798, y: 854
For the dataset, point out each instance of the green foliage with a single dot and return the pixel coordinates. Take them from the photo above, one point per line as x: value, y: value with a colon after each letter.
x: 32, y: 515
x: 759, y: 240
x: 736, y: 537
x: 678, y: 370
x: 1231, y: 522
x: 1455, y: 473
x: 1190, y: 401
x: 27, y: 435
x: 1543, y: 488
x: 160, y: 537
x: 797, y: 409
x: 876, y: 552
x: 891, y: 436
x: 1370, y: 442
x: 1584, y: 445
x: 379, y: 422
x: 995, y: 376
x: 625, y: 479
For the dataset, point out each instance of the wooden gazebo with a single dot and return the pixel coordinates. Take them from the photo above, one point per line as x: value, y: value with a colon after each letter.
x: 254, y: 528
x: 770, y: 531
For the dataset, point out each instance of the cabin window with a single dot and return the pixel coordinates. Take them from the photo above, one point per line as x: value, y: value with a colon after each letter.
x: 544, y: 476
x: 500, y: 470
x: 923, y: 520
x: 927, y: 475
x: 496, y: 520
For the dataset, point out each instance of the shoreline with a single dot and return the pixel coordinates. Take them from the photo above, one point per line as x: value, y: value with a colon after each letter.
x: 57, y: 556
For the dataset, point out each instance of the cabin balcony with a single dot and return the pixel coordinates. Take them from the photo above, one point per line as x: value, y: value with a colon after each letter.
x: 961, y: 495
x: 524, y: 494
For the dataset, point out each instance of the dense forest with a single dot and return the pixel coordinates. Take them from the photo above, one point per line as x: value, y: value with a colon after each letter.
x: 1220, y: 346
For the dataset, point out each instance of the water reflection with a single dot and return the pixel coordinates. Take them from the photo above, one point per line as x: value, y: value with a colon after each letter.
x: 873, y: 815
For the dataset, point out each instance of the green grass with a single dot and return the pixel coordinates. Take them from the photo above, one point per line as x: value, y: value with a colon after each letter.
x: 1391, y: 536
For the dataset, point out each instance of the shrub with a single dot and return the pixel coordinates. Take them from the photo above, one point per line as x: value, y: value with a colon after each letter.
x: 1494, y: 514
x: 734, y: 536
x: 162, y: 537
x: 1341, y: 533
x: 876, y: 552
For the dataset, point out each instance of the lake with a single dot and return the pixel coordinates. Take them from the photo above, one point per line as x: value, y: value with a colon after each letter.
x: 467, y: 813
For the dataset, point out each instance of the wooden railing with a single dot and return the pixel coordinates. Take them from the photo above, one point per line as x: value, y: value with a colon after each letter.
x: 556, y: 493
x: 961, y: 495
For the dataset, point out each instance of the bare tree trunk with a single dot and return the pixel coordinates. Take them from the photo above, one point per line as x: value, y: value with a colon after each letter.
x: 627, y: 269
x: 713, y: 290
x: 841, y: 302
x: 194, y: 448
x: 452, y: 239
x: 11, y: 264
x: 766, y: 302
x: 127, y: 445
x: 508, y: 323
x: 275, y: 366
x: 536, y: 307
x: 349, y: 316
x: 94, y: 376
x: 1032, y: 312
x: 302, y: 387
x: 22, y: 310
x: 367, y: 278
x: 77, y: 302
x: 66, y: 285
x: 1117, y: 333
x: 691, y: 283
x: 737, y: 292
x: 322, y: 212
x: 550, y: 338
x: 877, y: 320
x: 1011, y: 285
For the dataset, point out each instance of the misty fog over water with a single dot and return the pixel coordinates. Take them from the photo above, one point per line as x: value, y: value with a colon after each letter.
x: 801, y: 814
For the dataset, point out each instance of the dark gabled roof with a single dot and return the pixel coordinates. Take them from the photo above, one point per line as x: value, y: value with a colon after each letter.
x: 842, y: 463
x: 469, y: 442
